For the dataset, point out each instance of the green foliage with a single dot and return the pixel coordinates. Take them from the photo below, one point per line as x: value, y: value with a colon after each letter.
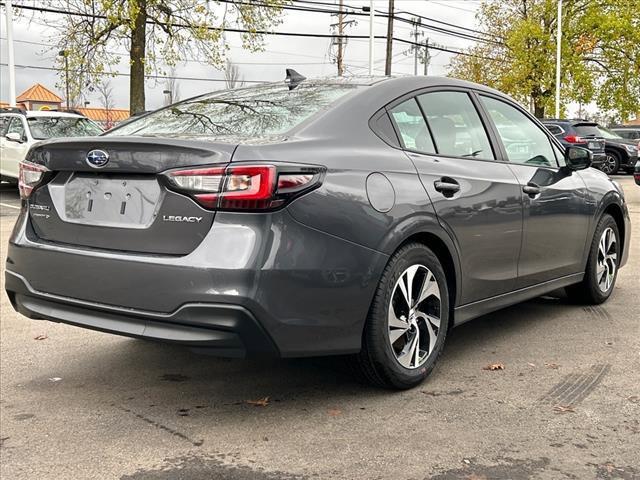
x: 174, y: 30
x: 600, y: 52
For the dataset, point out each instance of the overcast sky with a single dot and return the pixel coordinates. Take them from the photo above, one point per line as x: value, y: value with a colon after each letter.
x: 309, y: 56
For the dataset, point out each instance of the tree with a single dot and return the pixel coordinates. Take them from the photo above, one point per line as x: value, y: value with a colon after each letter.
x: 600, y: 52
x: 105, y: 93
x: 156, y: 33
x: 232, y: 77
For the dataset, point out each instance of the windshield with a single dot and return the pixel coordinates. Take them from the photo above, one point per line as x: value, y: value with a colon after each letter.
x: 609, y: 134
x: 43, y: 128
x: 258, y: 111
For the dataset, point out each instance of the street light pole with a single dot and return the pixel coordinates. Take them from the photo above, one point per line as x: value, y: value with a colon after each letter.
x: 558, y: 58
x: 10, y: 58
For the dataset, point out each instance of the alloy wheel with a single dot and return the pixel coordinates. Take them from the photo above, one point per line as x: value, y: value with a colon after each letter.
x: 414, y: 316
x: 609, y: 165
x: 607, y: 260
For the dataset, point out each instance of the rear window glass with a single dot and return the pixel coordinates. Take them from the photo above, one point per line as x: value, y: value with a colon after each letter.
x: 587, y: 130
x: 51, y: 127
x: 265, y: 110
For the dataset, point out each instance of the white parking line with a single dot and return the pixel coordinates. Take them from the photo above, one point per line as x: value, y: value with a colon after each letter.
x: 9, y: 206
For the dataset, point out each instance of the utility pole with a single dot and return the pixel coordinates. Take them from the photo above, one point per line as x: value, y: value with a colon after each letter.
x: 387, y: 63
x: 558, y: 58
x: 416, y: 46
x: 340, y: 55
x: 371, y: 37
x: 427, y: 57
x: 64, y: 53
x: 10, y: 58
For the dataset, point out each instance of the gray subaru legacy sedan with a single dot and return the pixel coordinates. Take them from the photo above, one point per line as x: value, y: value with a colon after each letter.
x: 362, y: 217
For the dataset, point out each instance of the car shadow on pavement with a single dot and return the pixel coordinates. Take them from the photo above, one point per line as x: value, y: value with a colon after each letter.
x: 128, y: 371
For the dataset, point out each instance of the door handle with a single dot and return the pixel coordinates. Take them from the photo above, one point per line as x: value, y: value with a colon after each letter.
x: 446, y: 186
x: 531, y: 189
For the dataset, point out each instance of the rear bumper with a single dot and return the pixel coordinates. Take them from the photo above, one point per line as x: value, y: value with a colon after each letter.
x: 287, y: 288
x: 225, y: 330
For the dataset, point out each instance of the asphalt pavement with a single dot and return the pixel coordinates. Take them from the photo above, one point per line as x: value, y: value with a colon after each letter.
x: 77, y: 404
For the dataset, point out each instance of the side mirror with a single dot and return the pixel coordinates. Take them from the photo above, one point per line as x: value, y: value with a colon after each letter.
x: 578, y: 158
x: 14, y: 137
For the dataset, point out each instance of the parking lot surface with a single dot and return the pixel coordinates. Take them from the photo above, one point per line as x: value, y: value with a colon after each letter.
x: 77, y: 404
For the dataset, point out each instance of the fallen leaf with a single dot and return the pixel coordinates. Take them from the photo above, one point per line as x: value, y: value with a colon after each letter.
x: 263, y: 402
x: 494, y: 366
x: 40, y: 337
x: 563, y: 409
x: 533, y: 365
x: 634, y: 399
x: 334, y: 412
x: 553, y: 366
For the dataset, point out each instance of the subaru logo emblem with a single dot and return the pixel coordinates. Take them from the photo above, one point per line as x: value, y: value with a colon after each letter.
x: 97, y: 158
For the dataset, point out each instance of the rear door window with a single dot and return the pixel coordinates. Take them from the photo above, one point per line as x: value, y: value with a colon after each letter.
x: 456, y: 126
x: 523, y: 140
x: 555, y: 129
x: 412, y: 127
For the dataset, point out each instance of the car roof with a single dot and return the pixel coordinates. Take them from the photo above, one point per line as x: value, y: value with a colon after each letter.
x: 43, y: 113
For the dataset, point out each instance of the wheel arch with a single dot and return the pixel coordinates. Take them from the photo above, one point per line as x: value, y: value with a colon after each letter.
x: 615, y: 210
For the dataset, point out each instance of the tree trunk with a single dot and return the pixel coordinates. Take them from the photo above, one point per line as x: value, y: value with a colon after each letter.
x: 137, y: 54
x: 538, y: 107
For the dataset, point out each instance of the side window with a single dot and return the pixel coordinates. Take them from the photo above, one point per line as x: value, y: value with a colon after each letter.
x: 456, y: 126
x: 412, y: 127
x: 523, y: 140
x: 555, y: 129
x: 16, y: 126
x: 4, y: 122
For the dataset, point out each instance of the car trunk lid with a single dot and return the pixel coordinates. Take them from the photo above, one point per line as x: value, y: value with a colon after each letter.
x: 123, y: 205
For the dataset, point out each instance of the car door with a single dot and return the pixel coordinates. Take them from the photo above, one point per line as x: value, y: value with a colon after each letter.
x: 555, y: 199
x: 476, y: 198
x: 13, y: 152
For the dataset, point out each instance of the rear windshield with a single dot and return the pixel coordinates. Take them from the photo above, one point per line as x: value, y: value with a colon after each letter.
x: 587, y: 130
x: 43, y: 128
x: 265, y: 110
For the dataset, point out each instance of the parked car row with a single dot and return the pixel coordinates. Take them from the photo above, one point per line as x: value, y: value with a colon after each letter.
x: 611, y: 151
x: 20, y: 130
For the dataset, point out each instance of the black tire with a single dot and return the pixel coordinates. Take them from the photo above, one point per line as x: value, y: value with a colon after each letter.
x: 588, y: 291
x: 611, y: 164
x: 377, y: 363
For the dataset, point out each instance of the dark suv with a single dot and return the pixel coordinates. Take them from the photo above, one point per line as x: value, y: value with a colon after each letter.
x: 581, y: 133
x: 629, y: 132
x: 621, y: 153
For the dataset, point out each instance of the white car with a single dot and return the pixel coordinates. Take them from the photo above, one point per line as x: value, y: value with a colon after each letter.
x: 20, y: 130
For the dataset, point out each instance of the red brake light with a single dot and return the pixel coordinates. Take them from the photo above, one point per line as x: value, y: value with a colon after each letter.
x: 245, y: 187
x: 575, y: 139
x: 29, y: 177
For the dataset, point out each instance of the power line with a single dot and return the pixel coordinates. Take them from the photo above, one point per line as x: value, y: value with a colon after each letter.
x: 120, y: 74
x: 258, y: 32
x: 266, y: 32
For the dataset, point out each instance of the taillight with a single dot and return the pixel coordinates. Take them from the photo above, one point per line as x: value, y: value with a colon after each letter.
x: 31, y: 175
x: 245, y: 187
x: 575, y: 139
